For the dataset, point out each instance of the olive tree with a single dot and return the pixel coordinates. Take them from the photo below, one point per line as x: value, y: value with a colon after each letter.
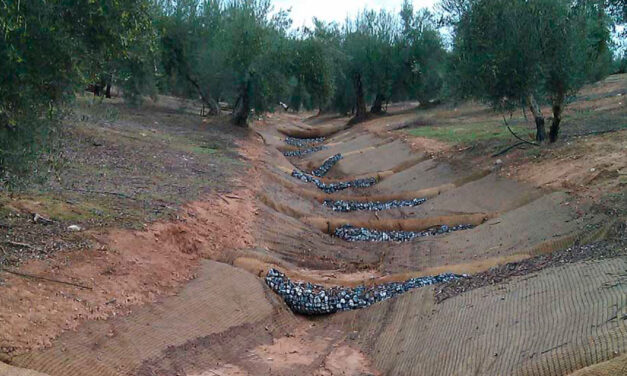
x: 49, y: 50
x: 522, y: 52
x: 421, y: 56
x: 313, y: 66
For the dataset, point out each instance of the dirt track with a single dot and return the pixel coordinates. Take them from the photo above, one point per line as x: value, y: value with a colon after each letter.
x: 554, y: 321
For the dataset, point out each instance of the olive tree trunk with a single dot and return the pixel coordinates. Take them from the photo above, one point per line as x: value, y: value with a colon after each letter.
x: 360, y: 100
x: 538, y: 117
x: 377, y: 106
x: 558, y: 108
x: 205, y: 96
x: 242, y: 107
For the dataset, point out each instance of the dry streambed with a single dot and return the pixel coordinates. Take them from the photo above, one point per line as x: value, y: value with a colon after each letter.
x: 306, y: 298
x: 421, y: 225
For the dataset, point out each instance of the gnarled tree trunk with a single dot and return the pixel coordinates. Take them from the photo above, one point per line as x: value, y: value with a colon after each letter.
x: 558, y: 107
x: 538, y: 117
x: 377, y: 106
x: 360, y: 101
x: 241, y: 110
x: 214, y: 106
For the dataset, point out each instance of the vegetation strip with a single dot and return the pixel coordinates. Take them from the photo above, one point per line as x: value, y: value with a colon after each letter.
x: 303, y: 142
x: 349, y: 206
x: 311, y: 300
x: 32, y: 276
x: 334, y: 187
x: 327, y: 165
x: 361, y: 234
x: 595, y: 251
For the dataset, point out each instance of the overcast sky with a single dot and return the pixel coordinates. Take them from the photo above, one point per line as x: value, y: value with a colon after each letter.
x: 337, y: 10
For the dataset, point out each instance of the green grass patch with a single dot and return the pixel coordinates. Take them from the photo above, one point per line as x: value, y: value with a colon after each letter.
x: 470, y: 133
x: 80, y: 211
x: 203, y: 150
x: 55, y: 208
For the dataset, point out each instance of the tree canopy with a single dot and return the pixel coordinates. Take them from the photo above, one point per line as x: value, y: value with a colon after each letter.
x: 248, y: 55
x: 519, y: 52
x: 49, y: 51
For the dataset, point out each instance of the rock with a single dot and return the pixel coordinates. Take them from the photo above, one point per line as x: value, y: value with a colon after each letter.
x: 334, y: 187
x: 349, y: 206
x: 498, y: 162
x: 360, y: 234
x: 302, y: 152
x: 302, y: 142
x: 327, y: 165
x: 74, y: 228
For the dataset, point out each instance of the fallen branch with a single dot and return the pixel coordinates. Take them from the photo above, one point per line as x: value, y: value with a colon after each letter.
x: 37, y: 218
x: 31, y: 276
x: 224, y: 199
x: 18, y: 244
x: 517, y: 136
x: 504, y: 151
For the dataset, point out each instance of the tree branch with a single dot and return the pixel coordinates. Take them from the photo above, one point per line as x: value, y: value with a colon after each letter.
x: 517, y: 136
x: 31, y: 276
x: 214, y: 107
x: 504, y: 151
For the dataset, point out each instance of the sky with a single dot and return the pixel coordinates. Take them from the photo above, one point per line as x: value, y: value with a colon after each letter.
x: 337, y: 10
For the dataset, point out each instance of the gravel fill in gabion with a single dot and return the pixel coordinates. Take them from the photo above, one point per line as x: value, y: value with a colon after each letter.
x: 327, y: 165
x: 302, y: 142
x: 308, y: 299
x: 349, y: 206
x: 303, y: 152
x: 360, y: 234
x: 334, y: 187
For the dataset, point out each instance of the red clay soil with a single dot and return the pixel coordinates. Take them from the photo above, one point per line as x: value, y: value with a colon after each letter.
x: 126, y: 269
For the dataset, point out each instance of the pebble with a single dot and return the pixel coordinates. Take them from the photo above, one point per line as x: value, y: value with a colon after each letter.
x: 309, y: 299
x: 360, y: 234
x: 303, y: 152
x: 327, y: 165
x: 349, y: 206
x: 302, y: 142
x: 334, y: 187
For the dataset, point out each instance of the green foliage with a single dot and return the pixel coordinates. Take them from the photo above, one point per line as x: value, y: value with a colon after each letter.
x: 422, y: 57
x: 214, y: 49
x: 49, y: 50
x: 313, y: 67
x: 370, y: 42
x: 505, y: 51
x: 246, y: 53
